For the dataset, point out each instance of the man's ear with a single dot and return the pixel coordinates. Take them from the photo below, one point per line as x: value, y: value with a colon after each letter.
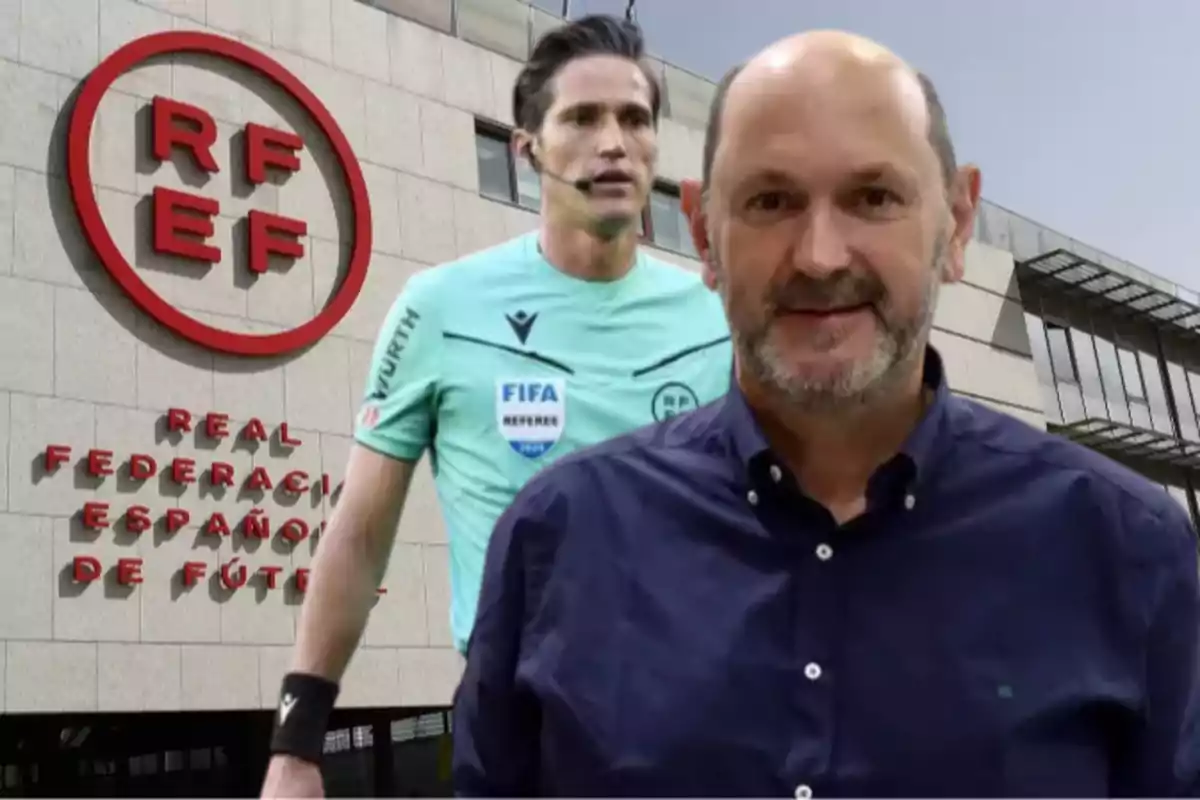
x: 691, y: 201
x: 964, y: 205
x: 522, y: 146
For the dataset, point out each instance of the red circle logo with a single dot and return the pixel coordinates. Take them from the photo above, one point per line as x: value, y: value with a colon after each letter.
x: 79, y: 172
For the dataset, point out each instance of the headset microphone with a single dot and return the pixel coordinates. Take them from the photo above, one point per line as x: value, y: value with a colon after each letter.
x: 583, y: 185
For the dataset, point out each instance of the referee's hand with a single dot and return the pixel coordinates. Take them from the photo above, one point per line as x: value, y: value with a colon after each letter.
x: 292, y: 777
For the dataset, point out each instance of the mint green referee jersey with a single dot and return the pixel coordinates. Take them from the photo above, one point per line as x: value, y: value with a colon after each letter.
x: 498, y: 364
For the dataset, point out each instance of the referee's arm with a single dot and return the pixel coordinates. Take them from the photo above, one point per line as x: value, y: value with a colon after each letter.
x: 350, y: 563
x: 394, y: 428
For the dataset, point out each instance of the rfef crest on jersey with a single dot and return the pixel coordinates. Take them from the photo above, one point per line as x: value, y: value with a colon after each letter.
x: 531, y: 414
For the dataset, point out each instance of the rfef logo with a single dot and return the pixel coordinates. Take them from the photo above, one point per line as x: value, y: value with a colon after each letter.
x: 531, y: 414
x: 182, y: 221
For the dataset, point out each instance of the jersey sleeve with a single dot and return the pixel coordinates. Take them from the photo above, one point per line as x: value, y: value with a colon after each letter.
x: 398, y: 413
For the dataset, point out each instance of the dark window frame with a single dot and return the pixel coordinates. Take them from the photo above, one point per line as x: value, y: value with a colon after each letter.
x: 1048, y: 325
x: 485, y: 129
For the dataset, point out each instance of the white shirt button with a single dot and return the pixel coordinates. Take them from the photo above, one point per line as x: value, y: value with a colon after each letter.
x: 909, y: 501
x: 812, y: 671
x: 776, y: 473
x: 803, y: 792
x: 752, y: 497
x: 824, y: 552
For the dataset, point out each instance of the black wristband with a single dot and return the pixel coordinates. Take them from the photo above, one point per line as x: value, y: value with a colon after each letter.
x: 305, y: 702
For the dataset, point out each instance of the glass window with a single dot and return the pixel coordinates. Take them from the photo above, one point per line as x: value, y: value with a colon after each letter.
x: 1041, y: 366
x: 1194, y: 383
x: 1132, y: 374
x: 1183, y: 402
x: 668, y: 225
x: 1061, y: 358
x: 1089, y: 374
x: 529, y: 185
x: 1110, y: 377
x: 1072, y: 402
x: 1139, y: 413
x: 492, y: 157
x: 1160, y: 413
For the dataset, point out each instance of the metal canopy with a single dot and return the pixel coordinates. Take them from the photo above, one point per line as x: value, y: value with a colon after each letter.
x: 1071, y: 274
x: 1128, y: 441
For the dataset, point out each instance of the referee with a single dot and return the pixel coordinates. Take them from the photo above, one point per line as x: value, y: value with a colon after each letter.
x: 503, y: 361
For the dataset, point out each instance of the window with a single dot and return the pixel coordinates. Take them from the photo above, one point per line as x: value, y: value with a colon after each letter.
x: 1194, y: 384
x: 668, y: 225
x: 1084, y: 350
x: 1110, y: 374
x: 1132, y: 374
x: 1183, y: 402
x: 1062, y: 359
x: 504, y: 177
x: 1160, y: 412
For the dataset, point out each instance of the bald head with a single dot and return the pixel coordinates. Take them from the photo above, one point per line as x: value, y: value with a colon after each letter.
x: 832, y: 67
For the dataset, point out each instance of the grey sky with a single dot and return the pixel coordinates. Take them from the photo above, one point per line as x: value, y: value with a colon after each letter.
x: 1081, y: 113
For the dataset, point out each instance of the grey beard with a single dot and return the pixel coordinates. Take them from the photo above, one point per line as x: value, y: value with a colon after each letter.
x: 860, y: 385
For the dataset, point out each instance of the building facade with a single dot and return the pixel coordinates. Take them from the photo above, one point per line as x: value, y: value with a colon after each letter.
x: 166, y: 476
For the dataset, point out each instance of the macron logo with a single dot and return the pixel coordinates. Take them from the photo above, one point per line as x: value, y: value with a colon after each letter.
x: 521, y: 324
x: 286, y: 706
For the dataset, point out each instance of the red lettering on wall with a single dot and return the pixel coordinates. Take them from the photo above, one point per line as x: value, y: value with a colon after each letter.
x: 264, y: 241
x: 325, y: 485
x: 142, y: 467
x: 216, y: 426
x: 85, y: 569
x: 177, y: 518
x: 95, y: 516
x: 302, y: 579
x: 56, y: 454
x: 99, y: 462
x: 221, y: 474
x: 259, y: 480
x: 294, y: 530
x: 272, y: 574
x: 231, y: 578
x: 129, y: 571
x: 193, y: 571
x: 171, y: 218
x: 286, y: 438
x: 216, y: 525
x: 179, y: 419
x: 268, y: 147
x: 254, y: 431
x: 256, y: 525
x: 183, y: 470
x: 296, y: 481
x: 178, y: 124
x: 137, y: 519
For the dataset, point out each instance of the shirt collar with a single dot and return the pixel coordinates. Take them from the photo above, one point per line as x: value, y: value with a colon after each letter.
x: 919, y: 450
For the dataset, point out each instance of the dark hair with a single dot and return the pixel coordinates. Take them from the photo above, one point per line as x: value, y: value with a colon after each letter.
x: 939, y: 128
x: 597, y: 34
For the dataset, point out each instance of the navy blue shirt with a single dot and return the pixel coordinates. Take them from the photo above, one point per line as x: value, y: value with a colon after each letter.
x: 668, y: 614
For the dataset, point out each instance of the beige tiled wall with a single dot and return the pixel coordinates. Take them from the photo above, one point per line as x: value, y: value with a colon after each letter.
x: 80, y: 366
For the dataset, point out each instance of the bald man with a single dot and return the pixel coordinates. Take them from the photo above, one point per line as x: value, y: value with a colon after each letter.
x: 840, y: 579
